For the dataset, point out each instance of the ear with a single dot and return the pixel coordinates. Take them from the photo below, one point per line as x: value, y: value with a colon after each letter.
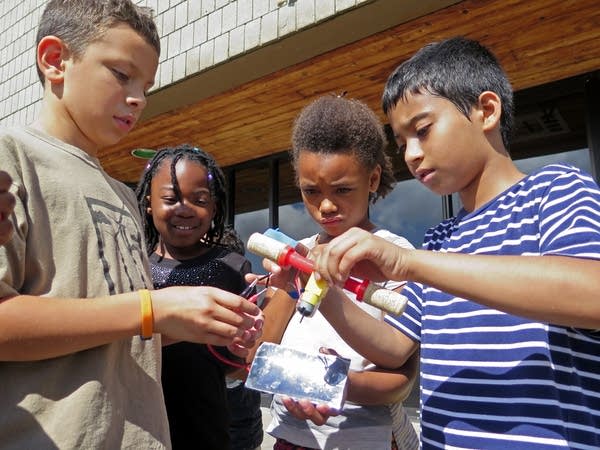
x: 375, y: 178
x: 149, y: 208
x: 490, y: 108
x: 51, y: 55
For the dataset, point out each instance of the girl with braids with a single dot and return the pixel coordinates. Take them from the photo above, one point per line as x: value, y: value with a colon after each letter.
x: 182, y: 200
x: 341, y: 167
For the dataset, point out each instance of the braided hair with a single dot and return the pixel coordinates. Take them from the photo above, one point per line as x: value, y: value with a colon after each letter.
x: 216, y: 185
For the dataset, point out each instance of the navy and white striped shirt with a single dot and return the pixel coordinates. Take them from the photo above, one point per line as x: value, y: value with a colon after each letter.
x: 494, y: 380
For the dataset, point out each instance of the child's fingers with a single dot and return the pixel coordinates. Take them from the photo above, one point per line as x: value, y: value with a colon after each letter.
x: 328, y: 351
x: 348, y: 250
x: 232, y: 301
x: 249, y: 323
x: 304, y: 410
x: 336, y: 260
x: 250, y: 277
x: 327, y: 411
x: 238, y: 350
x: 216, y: 331
x: 271, y: 266
x: 250, y: 335
x: 302, y: 249
x: 203, y: 314
x: 242, y: 322
x: 7, y: 203
x: 5, y: 181
x: 326, y: 263
x: 6, y: 232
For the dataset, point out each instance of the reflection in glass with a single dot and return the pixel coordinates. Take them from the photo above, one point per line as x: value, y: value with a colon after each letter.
x: 409, y: 211
x: 320, y: 378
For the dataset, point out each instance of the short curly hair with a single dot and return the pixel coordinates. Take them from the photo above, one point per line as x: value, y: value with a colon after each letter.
x: 335, y: 124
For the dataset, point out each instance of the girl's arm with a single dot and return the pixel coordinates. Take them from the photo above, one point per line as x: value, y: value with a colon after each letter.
x: 375, y: 340
x: 374, y: 387
x: 383, y: 386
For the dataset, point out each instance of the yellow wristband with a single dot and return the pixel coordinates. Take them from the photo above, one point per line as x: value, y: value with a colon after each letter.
x: 147, y: 316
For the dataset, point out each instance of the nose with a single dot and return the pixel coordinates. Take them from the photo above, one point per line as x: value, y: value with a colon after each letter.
x: 183, y: 209
x: 413, y: 153
x: 327, y: 206
x: 137, y: 100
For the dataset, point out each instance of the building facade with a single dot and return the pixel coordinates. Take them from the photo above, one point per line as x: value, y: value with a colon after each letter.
x: 234, y: 73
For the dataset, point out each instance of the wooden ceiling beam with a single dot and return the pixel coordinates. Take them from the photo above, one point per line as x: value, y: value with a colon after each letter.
x: 537, y: 41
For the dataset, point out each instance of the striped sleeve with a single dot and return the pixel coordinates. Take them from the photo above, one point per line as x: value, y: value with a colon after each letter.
x: 570, y: 216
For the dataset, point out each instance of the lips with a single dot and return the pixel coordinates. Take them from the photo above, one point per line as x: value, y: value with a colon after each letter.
x: 330, y: 220
x: 184, y: 227
x: 424, y: 175
x: 126, y: 123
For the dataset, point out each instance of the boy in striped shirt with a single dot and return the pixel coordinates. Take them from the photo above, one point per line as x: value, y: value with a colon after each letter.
x: 504, y: 302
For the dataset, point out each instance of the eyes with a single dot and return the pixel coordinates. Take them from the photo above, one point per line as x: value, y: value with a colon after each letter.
x: 309, y: 191
x: 420, y: 133
x: 123, y: 78
x: 203, y: 200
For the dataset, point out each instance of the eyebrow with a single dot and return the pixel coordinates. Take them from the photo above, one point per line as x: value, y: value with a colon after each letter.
x: 413, y: 120
x: 135, y: 69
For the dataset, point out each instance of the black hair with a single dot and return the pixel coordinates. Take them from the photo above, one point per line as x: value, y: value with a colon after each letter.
x: 333, y: 124
x: 232, y: 241
x: 80, y: 22
x: 457, y: 69
x: 216, y: 184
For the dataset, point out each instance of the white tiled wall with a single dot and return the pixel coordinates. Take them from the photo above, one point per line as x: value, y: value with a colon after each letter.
x: 195, y: 35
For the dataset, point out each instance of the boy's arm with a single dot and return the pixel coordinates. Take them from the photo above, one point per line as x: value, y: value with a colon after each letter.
x: 34, y: 328
x: 555, y: 289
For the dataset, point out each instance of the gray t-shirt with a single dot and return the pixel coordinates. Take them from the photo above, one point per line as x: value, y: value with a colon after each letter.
x: 77, y: 235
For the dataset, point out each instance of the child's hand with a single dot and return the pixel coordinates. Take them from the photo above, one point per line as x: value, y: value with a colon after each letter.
x: 282, y: 277
x: 306, y: 410
x: 7, y: 204
x: 361, y: 254
x: 241, y: 345
x: 205, y: 315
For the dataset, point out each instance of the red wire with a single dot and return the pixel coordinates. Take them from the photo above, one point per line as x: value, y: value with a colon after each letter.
x: 227, y: 361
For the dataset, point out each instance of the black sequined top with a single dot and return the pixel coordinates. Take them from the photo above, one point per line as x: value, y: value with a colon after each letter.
x: 193, y: 380
x: 218, y: 267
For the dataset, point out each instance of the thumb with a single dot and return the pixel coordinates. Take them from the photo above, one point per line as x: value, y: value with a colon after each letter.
x: 328, y: 351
